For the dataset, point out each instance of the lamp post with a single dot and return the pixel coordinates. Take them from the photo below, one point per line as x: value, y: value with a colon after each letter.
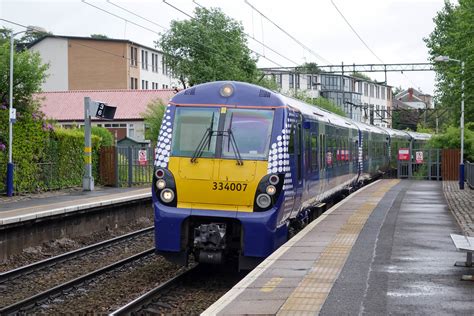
x: 461, y: 164
x: 12, y: 113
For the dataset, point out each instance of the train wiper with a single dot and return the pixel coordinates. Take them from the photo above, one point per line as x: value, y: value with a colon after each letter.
x: 235, y: 149
x: 206, y: 138
x: 233, y: 143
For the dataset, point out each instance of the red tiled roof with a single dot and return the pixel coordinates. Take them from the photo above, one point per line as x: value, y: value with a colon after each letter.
x: 69, y: 105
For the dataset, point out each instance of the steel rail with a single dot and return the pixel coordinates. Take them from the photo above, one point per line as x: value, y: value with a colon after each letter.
x: 31, y: 302
x: 146, y: 298
x: 8, y: 275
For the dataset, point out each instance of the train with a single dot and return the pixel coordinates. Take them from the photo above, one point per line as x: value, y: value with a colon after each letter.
x: 238, y: 168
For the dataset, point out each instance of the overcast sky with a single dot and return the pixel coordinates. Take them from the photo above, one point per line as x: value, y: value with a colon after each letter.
x: 393, y: 29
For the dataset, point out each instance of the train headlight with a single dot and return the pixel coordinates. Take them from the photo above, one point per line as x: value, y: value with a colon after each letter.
x: 159, y: 173
x: 263, y: 200
x: 226, y: 90
x: 273, y: 179
x: 167, y: 195
x: 271, y: 190
x: 160, y: 184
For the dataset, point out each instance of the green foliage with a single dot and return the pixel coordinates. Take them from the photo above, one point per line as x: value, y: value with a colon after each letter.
x: 209, y: 47
x: 99, y: 36
x: 105, y: 137
x: 28, y: 75
x: 309, y: 68
x: 422, y: 129
x: 361, y: 76
x: 452, y: 37
x: 451, y: 138
x: 319, y: 102
x: 153, y: 117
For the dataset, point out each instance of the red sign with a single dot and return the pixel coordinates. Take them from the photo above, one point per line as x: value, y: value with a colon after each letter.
x: 142, y: 157
x: 403, y: 154
x: 419, y: 157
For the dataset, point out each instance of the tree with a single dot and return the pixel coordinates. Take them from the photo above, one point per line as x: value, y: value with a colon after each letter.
x: 452, y: 36
x: 99, y: 36
x: 153, y: 117
x: 209, y: 47
x: 361, y: 76
x: 309, y: 68
x: 29, y: 74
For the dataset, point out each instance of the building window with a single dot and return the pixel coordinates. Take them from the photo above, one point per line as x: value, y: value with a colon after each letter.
x: 133, y: 83
x: 144, y: 59
x: 383, y: 111
x: 382, y: 90
x: 278, y: 80
x: 164, y: 67
x: 359, y: 88
x: 133, y: 56
x: 366, y: 89
x: 165, y: 86
x: 308, y: 82
x: 297, y: 79
x: 154, y: 62
x: 371, y: 90
x: 377, y: 92
x: 291, y: 81
x: 131, y: 131
x: 144, y: 84
x: 389, y: 94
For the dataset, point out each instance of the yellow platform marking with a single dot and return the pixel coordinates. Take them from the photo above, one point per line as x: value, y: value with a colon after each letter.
x: 312, y: 291
x: 271, y: 285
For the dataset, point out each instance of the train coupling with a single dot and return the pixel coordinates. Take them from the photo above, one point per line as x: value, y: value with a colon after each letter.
x: 210, y: 242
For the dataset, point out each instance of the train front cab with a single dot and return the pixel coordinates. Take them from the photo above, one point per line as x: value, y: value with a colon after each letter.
x: 221, y: 198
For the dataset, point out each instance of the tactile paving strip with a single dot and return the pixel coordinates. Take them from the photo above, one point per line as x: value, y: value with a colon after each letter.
x: 311, y: 293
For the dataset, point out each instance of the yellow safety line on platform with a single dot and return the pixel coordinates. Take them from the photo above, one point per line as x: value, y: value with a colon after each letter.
x: 313, y: 290
x: 271, y: 285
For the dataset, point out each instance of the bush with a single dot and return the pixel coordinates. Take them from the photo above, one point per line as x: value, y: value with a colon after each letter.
x: 451, y: 138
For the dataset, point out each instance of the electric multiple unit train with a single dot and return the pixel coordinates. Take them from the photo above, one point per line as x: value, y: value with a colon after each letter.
x: 237, y: 166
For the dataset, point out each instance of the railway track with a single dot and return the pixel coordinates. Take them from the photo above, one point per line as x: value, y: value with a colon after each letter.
x: 8, y: 275
x: 36, y: 282
x: 37, y: 299
x: 189, y: 292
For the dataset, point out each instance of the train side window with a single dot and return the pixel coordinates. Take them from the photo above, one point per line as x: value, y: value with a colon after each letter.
x: 321, y: 150
x: 314, y: 152
x: 299, y: 144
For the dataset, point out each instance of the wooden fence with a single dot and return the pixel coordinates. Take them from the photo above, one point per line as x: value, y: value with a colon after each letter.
x: 450, y: 164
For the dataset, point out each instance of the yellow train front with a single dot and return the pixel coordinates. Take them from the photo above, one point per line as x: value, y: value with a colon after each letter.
x: 221, y: 164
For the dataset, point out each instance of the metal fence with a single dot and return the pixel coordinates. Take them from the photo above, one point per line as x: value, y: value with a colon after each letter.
x: 422, y: 164
x: 134, y: 166
x: 469, y: 172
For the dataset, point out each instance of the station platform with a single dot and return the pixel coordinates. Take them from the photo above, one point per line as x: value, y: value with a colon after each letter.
x: 385, y: 249
x: 40, y: 206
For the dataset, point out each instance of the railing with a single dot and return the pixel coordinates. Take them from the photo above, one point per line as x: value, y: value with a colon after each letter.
x: 134, y: 166
x: 469, y: 172
x: 423, y: 164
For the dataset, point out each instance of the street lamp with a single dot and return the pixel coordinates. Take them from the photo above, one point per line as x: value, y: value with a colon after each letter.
x: 12, y: 112
x: 461, y: 164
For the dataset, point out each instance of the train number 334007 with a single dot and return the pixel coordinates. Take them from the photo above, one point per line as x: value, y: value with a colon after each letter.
x: 221, y: 186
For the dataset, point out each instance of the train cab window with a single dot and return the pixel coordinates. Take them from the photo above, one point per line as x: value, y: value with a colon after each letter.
x: 314, y: 152
x: 190, y: 127
x: 245, y: 125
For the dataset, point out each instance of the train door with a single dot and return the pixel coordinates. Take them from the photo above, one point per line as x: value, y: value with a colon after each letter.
x: 299, y: 161
x: 322, y: 157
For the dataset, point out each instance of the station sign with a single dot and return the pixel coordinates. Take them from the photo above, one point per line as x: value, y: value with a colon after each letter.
x: 404, y: 154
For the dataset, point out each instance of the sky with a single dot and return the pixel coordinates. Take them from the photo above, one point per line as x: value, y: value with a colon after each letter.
x: 392, y: 29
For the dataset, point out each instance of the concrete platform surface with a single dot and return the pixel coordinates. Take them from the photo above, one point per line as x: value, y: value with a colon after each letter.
x: 386, y: 249
x: 37, y: 207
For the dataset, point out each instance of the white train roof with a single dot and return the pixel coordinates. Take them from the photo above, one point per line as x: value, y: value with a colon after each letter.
x: 396, y: 132
x: 321, y: 114
x: 419, y: 136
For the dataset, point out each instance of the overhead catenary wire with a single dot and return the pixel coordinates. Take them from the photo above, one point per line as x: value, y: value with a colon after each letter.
x: 363, y: 42
x: 258, y: 41
x: 288, y: 34
x: 190, y: 16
